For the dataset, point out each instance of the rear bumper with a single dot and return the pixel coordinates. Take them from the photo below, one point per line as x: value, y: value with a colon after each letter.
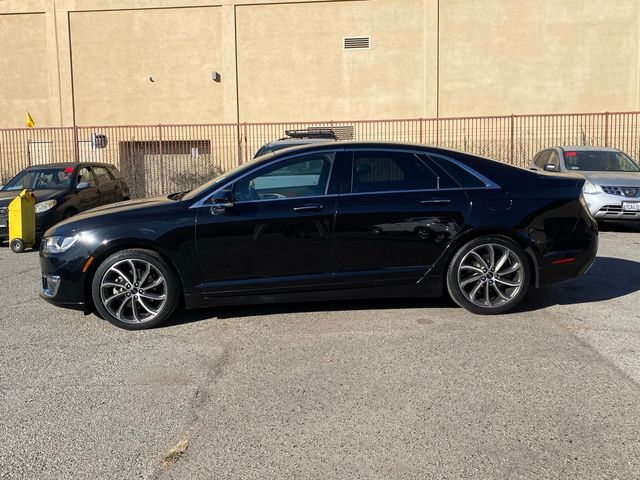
x: 572, y: 256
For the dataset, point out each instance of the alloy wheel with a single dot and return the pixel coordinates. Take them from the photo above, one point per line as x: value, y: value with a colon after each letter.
x: 133, y: 291
x: 490, y: 275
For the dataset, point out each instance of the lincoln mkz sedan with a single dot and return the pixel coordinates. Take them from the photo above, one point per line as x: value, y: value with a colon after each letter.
x: 322, y: 222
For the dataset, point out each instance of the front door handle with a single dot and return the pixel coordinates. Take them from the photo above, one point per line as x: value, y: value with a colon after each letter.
x: 436, y: 201
x: 308, y: 208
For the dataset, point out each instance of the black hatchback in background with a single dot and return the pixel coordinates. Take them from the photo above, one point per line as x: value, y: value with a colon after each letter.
x: 63, y: 190
x: 326, y: 221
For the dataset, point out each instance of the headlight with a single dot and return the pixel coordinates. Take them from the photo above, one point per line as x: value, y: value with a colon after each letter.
x: 46, y: 205
x: 590, y: 188
x: 58, y: 244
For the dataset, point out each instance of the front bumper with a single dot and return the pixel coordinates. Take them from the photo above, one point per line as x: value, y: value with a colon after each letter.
x: 63, y: 281
x: 605, y: 206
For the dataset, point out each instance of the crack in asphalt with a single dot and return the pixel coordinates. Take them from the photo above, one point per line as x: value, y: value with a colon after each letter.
x: 214, y: 370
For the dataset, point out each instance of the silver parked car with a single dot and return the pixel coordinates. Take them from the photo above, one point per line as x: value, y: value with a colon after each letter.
x: 612, y: 189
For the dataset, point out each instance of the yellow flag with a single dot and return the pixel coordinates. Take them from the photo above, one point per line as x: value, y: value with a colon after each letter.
x: 30, y: 122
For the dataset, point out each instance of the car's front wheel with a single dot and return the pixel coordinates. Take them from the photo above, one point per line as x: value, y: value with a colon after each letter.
x: 135, y: 289
x: 488, y: 275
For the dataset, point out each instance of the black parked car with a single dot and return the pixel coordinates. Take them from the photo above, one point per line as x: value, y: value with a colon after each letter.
x: 63, y: 190
x: 310, y: 223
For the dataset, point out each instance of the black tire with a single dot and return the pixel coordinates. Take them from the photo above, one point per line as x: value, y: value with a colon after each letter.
x: 137, y: 298
x: 466, y: 273
x: 17, y: 245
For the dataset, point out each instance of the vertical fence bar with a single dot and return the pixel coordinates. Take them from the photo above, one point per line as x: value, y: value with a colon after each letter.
x: 511, y: 130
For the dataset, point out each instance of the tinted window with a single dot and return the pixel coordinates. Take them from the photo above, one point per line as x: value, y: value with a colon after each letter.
x: 463, y: 177
x: 554, y: 159
x: 303, y: 176
x: 115, y: 173
x: 101, y: 174
x: 380, y: 171
x: 542, y: 159
x: 85, y: 175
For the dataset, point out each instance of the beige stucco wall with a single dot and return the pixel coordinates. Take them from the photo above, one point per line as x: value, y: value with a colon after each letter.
x: 24, y: 73
x: 514, y: 56
x: 116, y: 55
x: 89, y: 61
x: 292, y: 64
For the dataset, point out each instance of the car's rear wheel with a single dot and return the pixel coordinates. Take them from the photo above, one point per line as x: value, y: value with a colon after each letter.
x: 489, y: 275
x: 135, y: 289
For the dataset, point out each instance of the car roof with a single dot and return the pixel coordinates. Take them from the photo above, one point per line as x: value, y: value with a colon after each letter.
x: 298, y: 141
x: 359, y: 144
x: 67, y: 165
x: 586, y: 148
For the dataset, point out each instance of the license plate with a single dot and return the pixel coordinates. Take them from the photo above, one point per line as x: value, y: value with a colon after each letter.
x: 631, y: 206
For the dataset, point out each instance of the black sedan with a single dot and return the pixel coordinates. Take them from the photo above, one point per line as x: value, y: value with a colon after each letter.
x: 327, y: 221
x: 63, y: 190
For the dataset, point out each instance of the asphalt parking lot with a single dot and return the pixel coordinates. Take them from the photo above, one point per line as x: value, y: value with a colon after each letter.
x: 385, y: 389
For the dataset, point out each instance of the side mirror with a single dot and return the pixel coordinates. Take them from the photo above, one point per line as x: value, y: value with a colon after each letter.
x: 221, y: 202
x: 83, y: 186
x: 550, y: 167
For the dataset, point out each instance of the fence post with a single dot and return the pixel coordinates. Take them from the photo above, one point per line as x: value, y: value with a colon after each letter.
x: 245, y: 142
x: 606, y: 129
x: 162, y: 182
x: 76, y: 147
x: 511, y: 139
x: 420, y: 126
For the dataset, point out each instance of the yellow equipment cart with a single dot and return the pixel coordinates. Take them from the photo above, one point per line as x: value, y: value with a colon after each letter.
x: 22, y: 221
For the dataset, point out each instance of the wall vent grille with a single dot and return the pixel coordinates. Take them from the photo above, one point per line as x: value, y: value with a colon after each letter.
x: 357, y: 42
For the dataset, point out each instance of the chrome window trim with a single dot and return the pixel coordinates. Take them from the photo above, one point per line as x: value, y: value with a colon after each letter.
x: 204, y: 200
x: 489, y: 184
x: 244, y: 202
x: 424, y: 190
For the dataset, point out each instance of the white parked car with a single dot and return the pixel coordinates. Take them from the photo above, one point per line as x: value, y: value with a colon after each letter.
x: 612, y: 189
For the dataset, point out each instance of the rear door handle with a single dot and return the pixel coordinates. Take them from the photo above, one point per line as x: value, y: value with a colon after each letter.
x: 308, y: 208
x: 436, y: 201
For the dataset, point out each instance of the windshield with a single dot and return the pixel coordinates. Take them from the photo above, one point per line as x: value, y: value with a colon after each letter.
x: 41, y: 179
x: 599, y: 161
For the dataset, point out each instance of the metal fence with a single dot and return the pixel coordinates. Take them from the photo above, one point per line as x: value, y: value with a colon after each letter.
x: 165, y: 158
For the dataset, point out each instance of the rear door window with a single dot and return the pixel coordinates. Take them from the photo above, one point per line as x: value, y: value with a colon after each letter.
x: 383, y: 171
x: 102, y: 174
x: 85, y: 175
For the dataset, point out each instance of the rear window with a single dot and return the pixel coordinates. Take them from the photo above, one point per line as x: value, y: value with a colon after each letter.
x: 115, y: 173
